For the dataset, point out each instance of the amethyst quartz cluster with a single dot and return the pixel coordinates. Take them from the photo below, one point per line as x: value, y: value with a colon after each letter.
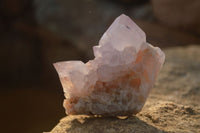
x: 118, y: 80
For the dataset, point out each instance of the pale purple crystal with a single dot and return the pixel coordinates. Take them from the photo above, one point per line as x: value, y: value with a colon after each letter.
x: 118, y: 80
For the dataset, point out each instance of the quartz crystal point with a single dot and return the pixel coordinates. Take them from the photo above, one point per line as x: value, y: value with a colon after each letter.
x: 118, y: 80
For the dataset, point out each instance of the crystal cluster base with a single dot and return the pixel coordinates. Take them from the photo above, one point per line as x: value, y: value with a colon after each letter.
x: 119, y: 79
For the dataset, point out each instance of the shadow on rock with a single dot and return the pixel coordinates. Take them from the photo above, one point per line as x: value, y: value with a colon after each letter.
x: 88, y: 124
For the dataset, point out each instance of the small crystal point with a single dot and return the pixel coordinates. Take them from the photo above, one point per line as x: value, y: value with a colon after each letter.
x: 121, y: 34
x: 118, y: 80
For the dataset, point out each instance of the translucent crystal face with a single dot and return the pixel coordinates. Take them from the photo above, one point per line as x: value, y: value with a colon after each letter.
x: 121, y: 34
x: 118, y: 80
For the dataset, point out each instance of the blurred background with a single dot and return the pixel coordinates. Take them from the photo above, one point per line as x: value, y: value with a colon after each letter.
x: 36, y: 33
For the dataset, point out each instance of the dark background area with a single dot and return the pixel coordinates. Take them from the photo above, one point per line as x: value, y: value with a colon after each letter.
x: 36, y: 33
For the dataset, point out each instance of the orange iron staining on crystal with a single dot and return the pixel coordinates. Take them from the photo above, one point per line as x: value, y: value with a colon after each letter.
x: 118, y: 80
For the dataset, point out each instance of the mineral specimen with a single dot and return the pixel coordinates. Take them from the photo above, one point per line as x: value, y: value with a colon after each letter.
x: 118, y: 80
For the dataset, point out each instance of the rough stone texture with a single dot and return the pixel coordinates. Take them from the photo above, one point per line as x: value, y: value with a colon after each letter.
x: 179, y: 80
x: 178, y: 13
x: 162, y: 118
x: 171, y: 117
x: 85, y: 124
x: 173, y: 105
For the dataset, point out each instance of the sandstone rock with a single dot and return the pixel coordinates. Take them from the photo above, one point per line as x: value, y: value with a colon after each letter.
x: 179, y: 80
x: 86, y: 124
x: 162, y: 118
x: 172, y: 117
x: 178, y: 13
x: 173, y: 105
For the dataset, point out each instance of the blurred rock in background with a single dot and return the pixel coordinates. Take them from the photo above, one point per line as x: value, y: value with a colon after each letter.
x: 80, y: 21
x: 182, y: 14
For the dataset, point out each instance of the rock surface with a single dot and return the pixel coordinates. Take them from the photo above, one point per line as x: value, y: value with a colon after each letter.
x: 171, y: 107
x: 183, y: 14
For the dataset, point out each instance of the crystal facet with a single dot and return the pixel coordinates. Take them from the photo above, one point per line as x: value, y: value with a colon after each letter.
x: 118, y: 80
